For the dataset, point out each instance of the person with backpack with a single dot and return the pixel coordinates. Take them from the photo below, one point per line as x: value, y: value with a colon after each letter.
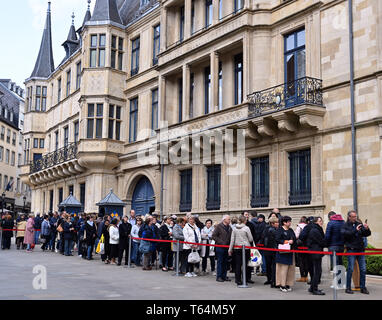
x: 316, y: 242
x: 269, y: 241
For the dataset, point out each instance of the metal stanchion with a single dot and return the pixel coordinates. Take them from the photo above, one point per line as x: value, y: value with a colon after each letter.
x: 335, y: 284
x: 244, y: 271
x: 177, y: 259
x: 1, y: 238
x: 129, y: 260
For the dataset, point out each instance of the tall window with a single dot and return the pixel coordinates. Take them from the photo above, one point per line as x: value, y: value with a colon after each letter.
x: 93, y: 50
x: 260, y: 182
x: 66, y: 136
x: 101, y: 50
x: 220, y: 9
x: 239, y: 78
x: 116, y: 52
x: 192, y: 87
x: 192, y: 16
x: 220, y: 86
x: 60, y: 195
x: 8, y: 135
x: 94, y: 121
x: 76, y: 131
x: 294, y: 60
x: 238, y: 5
x: 51, y: 195
x: 300, y: 177
x: 43, y: 99
x: 82, y: 194
x: 42, y: 143
x: 71, y: 190
x: 56, y: 140
x: 68, y: 81
x: 135, y: 56
x: 35, y: 143
x: 181, y: 24
x: 114, y: 122
x: 7, y: 156
x: 209, y: 12
x: 14, y: 138
x: 1, y: 153
x: 213, y: 187
x: 2, y: 133
x: 180, y: 99
x: 13, y: 158
x: 38, y: 98
x: 59, y: 90
x: 78, y: 76
x: 185, y: 190
x: 156, y: 44
x: 133, y: 119
x: 154, y: 109
x: 207, y: 90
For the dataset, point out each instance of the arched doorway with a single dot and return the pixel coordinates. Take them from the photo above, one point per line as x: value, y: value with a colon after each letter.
x: 143, y: 201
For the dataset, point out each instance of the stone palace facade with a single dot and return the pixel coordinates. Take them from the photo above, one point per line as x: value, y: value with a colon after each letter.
x: 148, y: 88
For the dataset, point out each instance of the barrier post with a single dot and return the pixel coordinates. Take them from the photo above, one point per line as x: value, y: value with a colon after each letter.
x: 334, y: 275
x: 177, y: 259
x: 129, y: 260
x: 1, y: 238
x: 244, y: 269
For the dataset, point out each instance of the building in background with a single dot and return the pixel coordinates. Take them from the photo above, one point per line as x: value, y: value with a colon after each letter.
x: 277, y: 69
x: 14, y: 193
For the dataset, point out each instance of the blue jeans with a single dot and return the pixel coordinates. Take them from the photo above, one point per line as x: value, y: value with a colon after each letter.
x: 36, y: 236
x: 222, y: 263
x: 52, y: 241
x: 90, y: 250
x: 362, y: 269
x: 337, y: 249
x: 68, y: 247
x: 263, y: 265
x: 134, y: 252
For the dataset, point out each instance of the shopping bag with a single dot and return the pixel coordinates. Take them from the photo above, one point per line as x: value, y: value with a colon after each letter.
x: 285, y: 246
x: 98, y: 249
x: 102, y: 248
x: 193, y: 257
x: 256, y: 259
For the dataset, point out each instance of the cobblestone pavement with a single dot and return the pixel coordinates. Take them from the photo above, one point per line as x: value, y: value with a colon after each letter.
x: 79, y: 279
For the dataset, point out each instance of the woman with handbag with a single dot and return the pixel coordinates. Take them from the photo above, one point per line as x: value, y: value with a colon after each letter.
x: 240, y: 236
x: 145, y: 246
x: 285, y: 263
x: 207, y: 251
x: 191, y: 234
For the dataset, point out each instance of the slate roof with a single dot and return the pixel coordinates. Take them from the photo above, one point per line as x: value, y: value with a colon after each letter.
x: 45, y: 64
x: 111, y: 200
x: 106, y: 10
x: 132, y: 10
x: 70, y: 201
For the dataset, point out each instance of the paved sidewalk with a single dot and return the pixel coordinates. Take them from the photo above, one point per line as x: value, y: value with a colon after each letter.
x: 79, y: 279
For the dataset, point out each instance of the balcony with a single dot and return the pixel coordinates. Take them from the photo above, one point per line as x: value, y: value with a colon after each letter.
x: 287, y: 106
x: 55, y: 165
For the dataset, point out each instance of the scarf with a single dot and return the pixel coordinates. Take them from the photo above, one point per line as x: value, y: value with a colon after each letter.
x: 91, y: 223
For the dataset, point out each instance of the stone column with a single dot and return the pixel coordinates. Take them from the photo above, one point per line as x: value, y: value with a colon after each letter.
x: 163, y: 27
x: 186, y: 92
x: 214, y: 67
x: 187, y: 19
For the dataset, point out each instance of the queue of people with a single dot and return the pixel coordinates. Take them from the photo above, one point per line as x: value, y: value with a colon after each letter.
x: 82, y: 233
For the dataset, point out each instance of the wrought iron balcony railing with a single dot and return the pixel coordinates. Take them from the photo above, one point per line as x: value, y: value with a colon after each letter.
x: 49, y: 160
x: 305, y: 90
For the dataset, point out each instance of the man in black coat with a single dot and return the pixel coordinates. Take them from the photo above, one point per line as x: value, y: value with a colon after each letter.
x: 303, y: 239
x: 316, y: 242
x: 354, y: 233
x: 90, y: 236
x: 124, y: 233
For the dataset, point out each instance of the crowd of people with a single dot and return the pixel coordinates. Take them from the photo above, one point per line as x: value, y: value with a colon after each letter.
x: 68, y: 233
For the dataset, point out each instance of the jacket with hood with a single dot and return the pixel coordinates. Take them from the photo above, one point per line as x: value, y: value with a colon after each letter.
x: 241, y: 236
x: 333, y: 235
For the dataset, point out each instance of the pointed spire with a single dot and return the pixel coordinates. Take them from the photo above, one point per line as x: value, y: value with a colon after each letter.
x: 106, y: 10
x: 45, y: 64
x: 88, y: 14
x: 71, y: 44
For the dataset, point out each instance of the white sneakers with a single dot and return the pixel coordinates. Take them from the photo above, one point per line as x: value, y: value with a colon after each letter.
x: 190, y: 274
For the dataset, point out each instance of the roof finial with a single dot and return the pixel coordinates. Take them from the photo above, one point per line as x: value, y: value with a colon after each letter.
x: 73, y: 16
x: 89, y: 2
x: 49, y: 3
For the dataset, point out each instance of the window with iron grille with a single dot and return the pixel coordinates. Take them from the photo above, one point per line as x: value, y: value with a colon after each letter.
x: 300, y: 177
x: 260, y: 182
x: 213, y: 187
x: 185, y: 190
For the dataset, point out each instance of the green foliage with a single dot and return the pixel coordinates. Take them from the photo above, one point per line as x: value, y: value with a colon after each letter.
x: 373, y: 263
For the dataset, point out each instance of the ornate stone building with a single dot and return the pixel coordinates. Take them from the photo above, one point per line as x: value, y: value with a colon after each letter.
x: 273, y: 78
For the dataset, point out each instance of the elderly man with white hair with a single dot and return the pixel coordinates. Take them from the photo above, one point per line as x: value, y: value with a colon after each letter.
x: 222, y: 236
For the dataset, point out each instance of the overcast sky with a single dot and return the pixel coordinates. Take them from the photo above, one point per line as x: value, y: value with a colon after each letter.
x: 21, y: 27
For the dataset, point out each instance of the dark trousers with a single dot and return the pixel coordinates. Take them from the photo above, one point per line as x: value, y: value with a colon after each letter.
x: 190, y: 266
x: 52, y: 244
x: 106, y: 254
x: 62, y: 243
x: 46, y: 243
x: 123, y: 247
x: 167, y: 257
x: 303, y: 263
x: 222, y: 263
x: 182, y: 261
x: 113, y: 251
x: 270, y: 261
x: 317, y: 270
x: 238, y: 257
x: 6, y: 242
x: 20, y: 243
x: 204, y: 263
x: 68, y: 246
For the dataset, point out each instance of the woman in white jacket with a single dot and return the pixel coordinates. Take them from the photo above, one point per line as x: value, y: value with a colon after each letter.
x: 191, y: 234
x: 114, y: 240
x: 207, y: 251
